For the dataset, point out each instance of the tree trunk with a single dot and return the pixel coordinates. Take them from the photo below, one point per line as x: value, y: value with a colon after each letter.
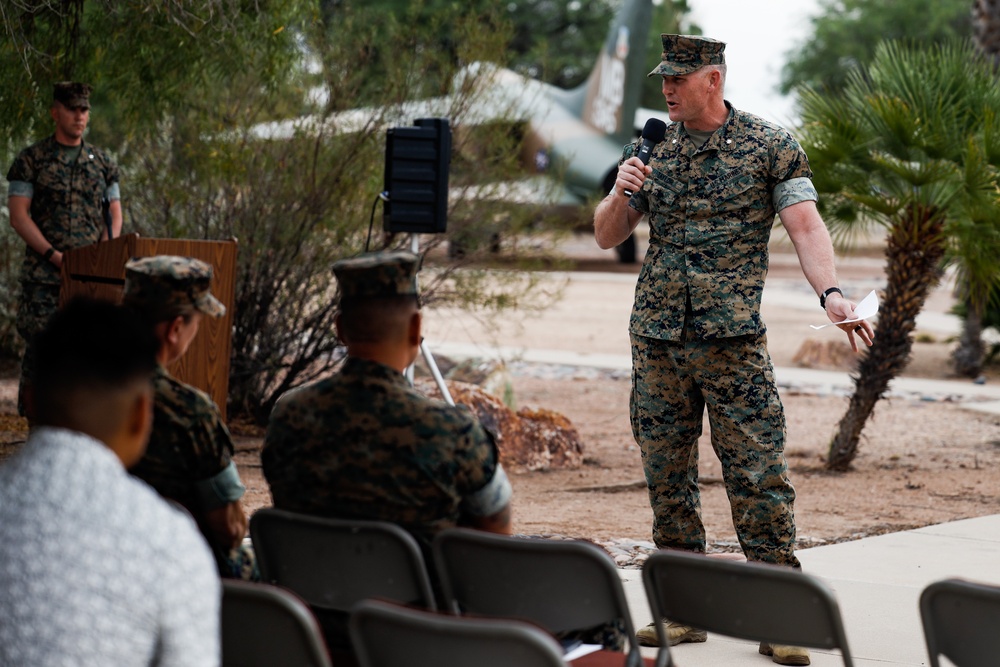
x: 986, y: 27
x: 967, y: 359
x: 913, y: 265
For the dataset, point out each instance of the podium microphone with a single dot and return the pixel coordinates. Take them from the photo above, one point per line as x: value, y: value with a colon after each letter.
x: 652, y: 133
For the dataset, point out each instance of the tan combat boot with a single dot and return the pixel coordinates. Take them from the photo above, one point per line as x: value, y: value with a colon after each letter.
x: 785, y: 655
x: 676, y: 634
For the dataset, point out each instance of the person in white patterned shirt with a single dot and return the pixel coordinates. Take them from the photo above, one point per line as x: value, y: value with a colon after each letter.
x: 95, y: 568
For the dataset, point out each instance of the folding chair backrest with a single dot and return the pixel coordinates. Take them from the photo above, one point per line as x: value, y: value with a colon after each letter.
x: 334, y: 563
x: 745, y: 600
x: 265, y: 625
x: 560, y: 585
x: 961, y: 620
x: 387, y: 635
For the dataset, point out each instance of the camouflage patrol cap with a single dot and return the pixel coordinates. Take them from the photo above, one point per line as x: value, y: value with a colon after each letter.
x: 72, y: 94
x: 377, y: 274
x: 171, y: 284
x: 683, y: 54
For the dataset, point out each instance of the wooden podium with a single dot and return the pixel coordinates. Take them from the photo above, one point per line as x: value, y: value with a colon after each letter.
x: 98, y: 271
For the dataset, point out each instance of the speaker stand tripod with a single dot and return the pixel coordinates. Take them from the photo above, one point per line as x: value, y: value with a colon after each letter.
x: 424, y: 349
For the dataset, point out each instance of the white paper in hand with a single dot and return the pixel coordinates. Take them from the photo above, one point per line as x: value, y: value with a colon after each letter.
x: 864, y: 310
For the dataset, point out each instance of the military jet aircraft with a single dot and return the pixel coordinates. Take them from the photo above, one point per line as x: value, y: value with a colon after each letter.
x: 576, y: 134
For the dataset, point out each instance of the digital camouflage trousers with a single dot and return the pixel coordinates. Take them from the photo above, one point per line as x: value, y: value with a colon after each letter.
x: 37, y: 304
x: 672, y: 384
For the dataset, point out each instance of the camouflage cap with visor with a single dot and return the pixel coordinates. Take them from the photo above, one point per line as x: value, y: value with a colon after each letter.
x: 377, y: 274
x: 683, y: 54
x: 171, y: 284
x: 71, y: 94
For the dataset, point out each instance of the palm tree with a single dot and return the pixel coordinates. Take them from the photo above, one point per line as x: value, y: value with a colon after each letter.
x: 912, y: 144
x: 967, y: 360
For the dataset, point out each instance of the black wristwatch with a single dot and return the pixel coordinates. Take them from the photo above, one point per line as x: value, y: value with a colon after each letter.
x: 822, y: 297
x: 48, y: 253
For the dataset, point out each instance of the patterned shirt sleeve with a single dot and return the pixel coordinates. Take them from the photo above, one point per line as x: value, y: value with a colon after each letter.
x: 20, y: 189
x: 790, y: 172
x: 189, y: 445
x: 190, y: 632
x: 22, y: 169
x: 221, y: 489
x: 481, y: 479
x: 492, y: 498
x: 794, y: 191
x: 194, y: 417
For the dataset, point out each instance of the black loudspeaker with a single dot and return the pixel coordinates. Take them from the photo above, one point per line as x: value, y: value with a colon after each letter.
x: 417, y: 160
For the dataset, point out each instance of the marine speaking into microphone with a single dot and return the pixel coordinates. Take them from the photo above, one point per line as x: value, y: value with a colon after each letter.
x: 696, y: 334
x: 652, y: 133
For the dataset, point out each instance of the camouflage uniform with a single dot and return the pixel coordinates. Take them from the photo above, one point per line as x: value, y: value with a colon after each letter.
x: 364, y: 444
x: 189, y: 442
x: 697, y: 335
x: 66, y: 185
x: 189, y: 455
x: 189, y: 459
x: 69, y: 184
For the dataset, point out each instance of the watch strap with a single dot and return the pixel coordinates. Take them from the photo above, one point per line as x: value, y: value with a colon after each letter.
x: 828, y: 292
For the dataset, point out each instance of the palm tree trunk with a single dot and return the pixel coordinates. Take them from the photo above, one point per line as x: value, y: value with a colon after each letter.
x: 967, y: 359
x: 913, y: 252
x: 986, y: 27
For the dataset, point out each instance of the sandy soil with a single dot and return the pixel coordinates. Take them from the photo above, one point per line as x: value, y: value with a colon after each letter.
x: 921, y: 462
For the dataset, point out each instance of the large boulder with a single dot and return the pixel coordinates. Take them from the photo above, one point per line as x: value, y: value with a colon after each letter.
x: 829, y: 355
x: 527, y: 439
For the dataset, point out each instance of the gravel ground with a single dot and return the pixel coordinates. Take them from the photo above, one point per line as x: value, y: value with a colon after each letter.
x: 923, y: 459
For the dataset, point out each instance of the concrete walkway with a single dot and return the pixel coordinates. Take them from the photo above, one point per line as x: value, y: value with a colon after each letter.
x: 877, y: 581
x: 588, y: 327
x: 984, y: 398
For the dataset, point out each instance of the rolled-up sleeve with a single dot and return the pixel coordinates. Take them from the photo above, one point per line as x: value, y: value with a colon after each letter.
x: 492, y: 498
x: 793, y: 191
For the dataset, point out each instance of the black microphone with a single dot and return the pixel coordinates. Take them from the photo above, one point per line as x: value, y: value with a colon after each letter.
x: 652, y: 133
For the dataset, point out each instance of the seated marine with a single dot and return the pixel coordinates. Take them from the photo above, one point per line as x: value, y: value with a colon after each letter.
x: 189, y: 459
x: 364, y: 444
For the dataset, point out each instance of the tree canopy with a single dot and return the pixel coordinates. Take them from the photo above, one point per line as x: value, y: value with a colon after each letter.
x: 180, y: 90
x: 148, y: 56
x: 846, y: 33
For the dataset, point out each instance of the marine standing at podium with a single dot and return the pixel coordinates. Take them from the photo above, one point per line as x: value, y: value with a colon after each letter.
x: 56, y: 199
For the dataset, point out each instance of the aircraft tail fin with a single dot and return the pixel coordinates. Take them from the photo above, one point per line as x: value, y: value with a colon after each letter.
x: 610, y: 96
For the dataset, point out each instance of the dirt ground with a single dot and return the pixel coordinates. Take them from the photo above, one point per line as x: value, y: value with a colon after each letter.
x: 921, y: 461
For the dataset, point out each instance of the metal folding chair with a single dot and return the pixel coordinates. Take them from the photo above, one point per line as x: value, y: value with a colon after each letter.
x: 752, y: 601
x: 560, y: 585
x: 265, y: 625
x: 334, y: 563
x: 388, y: 635
x: 960, y: 620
